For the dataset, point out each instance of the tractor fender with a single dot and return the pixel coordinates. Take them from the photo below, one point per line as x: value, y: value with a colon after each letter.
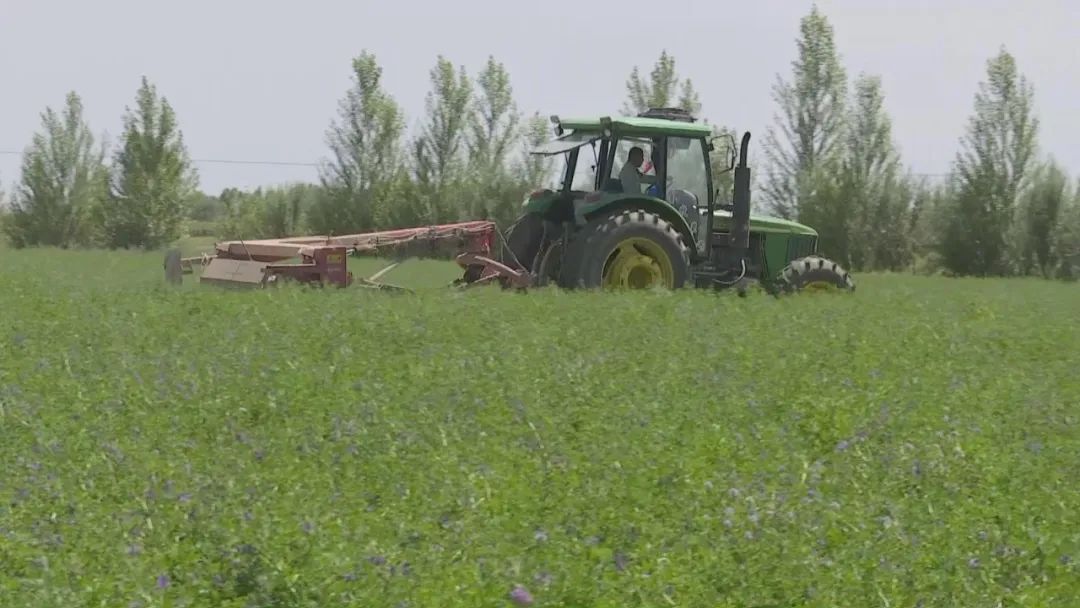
x: 617, y: 202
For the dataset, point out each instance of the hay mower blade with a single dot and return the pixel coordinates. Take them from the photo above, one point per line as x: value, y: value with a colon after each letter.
x: 263, y: 262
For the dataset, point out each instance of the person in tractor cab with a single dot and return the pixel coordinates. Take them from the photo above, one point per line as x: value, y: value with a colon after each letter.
x: 630, y: 177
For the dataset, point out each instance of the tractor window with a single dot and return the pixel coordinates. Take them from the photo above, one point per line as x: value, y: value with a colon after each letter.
x: 585, y: 169
x: 622, y: 150
x: 686, y: 169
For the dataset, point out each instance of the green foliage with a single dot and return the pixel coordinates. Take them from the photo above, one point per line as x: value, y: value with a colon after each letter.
x: 268, y: 213
x: 537, y: 170
x: 911, y: 445
x: 661, y: 89
x: 992, y: 169
x: 494, y: 119
x: 1039, y: 210
x: 438, y: 152
x: 812, y: 121
x: 152, y: 178
x: 62, y: 181
x: 205, y: 208
x: 872, y: 209
x: 1066, y: 240
x: 495, y: 125
x: 365, y: 142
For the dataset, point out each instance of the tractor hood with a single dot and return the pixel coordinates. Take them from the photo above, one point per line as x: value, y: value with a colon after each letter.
x: 763, y: 223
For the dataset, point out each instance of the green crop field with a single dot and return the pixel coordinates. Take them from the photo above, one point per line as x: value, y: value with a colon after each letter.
x: 913, y: 444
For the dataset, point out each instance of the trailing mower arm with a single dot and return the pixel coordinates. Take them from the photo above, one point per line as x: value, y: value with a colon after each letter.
x: 323, y: 258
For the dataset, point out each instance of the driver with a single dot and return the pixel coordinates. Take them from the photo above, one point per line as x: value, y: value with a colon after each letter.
x: 630, y: 177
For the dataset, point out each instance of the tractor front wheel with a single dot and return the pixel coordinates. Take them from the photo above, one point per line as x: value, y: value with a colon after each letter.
x: 815, y: 273
x: 630, y: 249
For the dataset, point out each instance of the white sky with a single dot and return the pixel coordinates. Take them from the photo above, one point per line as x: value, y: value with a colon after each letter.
x: 260, y: 80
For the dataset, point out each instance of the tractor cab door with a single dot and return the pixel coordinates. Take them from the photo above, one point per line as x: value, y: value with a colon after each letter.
x: 687, y: 179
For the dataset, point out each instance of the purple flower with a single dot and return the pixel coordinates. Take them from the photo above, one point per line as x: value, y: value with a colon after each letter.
x: 162, y: 581
x: 521, y: 596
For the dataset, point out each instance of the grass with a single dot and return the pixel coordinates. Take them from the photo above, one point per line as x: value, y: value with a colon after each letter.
x: 915, y: 444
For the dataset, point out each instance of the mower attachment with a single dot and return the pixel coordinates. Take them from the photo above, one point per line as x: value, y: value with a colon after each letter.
x: 323, y: 258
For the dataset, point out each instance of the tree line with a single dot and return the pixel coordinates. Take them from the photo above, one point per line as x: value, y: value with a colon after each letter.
x: 829, y: 161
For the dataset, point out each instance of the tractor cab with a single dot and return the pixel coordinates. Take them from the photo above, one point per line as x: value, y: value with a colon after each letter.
x: 676, y: 168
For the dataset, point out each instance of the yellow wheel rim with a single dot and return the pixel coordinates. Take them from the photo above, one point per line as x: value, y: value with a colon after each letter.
x: 638, y: 263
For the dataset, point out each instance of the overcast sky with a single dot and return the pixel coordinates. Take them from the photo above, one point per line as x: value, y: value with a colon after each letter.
x: 260, y: 80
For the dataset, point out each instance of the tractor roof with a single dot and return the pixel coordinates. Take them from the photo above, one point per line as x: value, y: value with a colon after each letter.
x: 635, y: 125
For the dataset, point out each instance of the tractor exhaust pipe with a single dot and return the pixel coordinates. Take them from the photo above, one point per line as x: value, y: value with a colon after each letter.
x: 739, y: 234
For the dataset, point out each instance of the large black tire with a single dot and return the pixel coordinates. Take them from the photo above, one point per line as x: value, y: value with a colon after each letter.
x: 589, y: 257
x: 549, y: 267
x: 814, y: 272
x: 523, y: 241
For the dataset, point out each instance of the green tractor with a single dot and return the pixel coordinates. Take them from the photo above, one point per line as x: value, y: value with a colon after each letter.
x: 658, y: 222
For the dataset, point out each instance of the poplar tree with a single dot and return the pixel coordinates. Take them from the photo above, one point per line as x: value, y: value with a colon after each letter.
x: 152, y: 177
x: 366, y: 148
x: 811, y: 120
x: 663, y: 88
x: 62, y: 181
x: 990, y: 171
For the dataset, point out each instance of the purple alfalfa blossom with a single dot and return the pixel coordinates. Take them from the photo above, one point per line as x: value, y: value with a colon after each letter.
x: 521, y: 596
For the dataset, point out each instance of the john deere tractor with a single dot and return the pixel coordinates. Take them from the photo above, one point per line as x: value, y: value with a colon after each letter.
x: 671, y: 229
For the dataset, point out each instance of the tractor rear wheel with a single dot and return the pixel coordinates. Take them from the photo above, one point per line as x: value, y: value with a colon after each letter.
x: 628, y: 249
x: 815, y: 273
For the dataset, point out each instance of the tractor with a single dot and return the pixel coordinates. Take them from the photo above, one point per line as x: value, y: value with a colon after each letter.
x: 671, y: 229
x: 657, y: 223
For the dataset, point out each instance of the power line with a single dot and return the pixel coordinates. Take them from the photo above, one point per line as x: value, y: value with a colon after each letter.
x: 284, y: 163
x: 219, y: 161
